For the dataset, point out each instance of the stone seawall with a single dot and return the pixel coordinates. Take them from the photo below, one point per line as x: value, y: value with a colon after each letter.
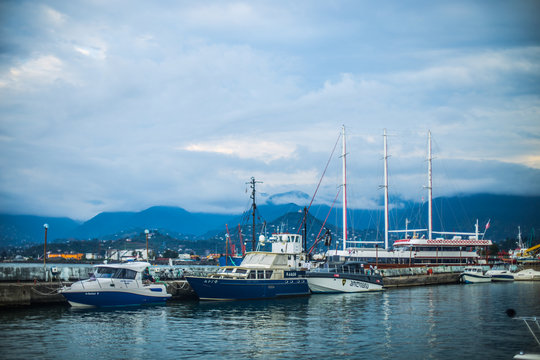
x: 41, y: 293
x: 419, y: 280
x: 47, y: 273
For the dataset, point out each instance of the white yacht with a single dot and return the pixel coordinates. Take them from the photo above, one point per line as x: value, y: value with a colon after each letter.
x: 474, y: 274
x: 116, y: 285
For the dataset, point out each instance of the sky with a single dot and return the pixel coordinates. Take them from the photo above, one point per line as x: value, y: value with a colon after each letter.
x: 123, y: 105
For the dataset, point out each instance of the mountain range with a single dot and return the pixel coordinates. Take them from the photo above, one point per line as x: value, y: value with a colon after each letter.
x: 504, y: 213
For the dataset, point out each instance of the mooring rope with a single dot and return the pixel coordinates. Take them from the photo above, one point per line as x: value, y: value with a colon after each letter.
x: 52, y: 293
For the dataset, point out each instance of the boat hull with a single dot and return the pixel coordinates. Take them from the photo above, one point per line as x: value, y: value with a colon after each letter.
x: 320, y: 283
x: 113, y: 298
x: 474, y: 279
x: 502, y: 277
x: 247, y: 289
x: 527, y: 275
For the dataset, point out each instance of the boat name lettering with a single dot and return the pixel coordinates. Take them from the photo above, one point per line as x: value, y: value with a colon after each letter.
x: 210, y: 281
x: 91, y: 293
x: 290, y: 274
x: 359, y: 284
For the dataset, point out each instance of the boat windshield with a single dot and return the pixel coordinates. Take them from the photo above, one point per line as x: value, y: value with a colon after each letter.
x: 117, y: 273
x: 258, y: 259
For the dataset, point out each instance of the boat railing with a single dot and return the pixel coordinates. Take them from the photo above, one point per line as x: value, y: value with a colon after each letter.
x: 530, y: 321
x: 441, y: 269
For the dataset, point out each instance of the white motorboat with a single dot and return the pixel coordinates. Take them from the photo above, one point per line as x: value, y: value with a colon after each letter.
x: 527, y: 275
x: 116, y: 285
x: 347, y: 277
x: 500, y: 272
x: 474, y: 274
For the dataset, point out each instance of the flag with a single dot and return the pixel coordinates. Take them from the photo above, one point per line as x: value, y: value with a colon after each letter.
x: 487, y: 225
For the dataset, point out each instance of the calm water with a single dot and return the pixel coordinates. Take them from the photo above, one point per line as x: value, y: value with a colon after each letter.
x: 438, y: 322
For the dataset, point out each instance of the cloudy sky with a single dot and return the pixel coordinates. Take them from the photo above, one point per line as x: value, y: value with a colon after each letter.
x: 122, y: 105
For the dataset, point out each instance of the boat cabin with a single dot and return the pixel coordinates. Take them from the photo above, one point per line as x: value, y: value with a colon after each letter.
x: 259, y: 265
x: 286, y: 243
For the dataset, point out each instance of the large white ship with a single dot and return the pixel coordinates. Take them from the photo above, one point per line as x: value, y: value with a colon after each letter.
x: 419, y: 249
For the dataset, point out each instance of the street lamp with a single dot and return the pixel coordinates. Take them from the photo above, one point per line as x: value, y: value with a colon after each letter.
x: 46, y: 226
x: 147, y: 256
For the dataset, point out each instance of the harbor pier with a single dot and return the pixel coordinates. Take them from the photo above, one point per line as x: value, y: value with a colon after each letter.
x: 33, y: 286
x: 14, y: 294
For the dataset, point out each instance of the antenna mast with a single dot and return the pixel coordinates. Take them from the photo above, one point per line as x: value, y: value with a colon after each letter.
x: 253, y: 208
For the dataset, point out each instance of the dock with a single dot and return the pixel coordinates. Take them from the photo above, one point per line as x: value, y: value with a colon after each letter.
x: 46, y: 293
x: 34, y: 285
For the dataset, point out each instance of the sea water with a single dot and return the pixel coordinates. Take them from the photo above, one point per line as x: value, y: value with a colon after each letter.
x: 433, y: 322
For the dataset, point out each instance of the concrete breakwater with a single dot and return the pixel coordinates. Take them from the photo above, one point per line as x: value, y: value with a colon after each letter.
x: 42, y: 293
x: 34, y: 273
x: 417, y: 276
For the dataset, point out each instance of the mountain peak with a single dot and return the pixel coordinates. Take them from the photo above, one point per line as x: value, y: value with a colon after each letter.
x: 295, y: 197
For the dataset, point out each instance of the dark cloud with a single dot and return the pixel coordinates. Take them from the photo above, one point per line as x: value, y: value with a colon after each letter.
x: 127, y: 105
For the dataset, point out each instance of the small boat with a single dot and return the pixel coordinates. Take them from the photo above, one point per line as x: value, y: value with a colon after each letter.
x: 500, y: 272
x: 261, y: 275
x: 530, y: 322
x: 344, y: 278
x: 527, y: 275
x: 116, y: 285
x: 473, y: 275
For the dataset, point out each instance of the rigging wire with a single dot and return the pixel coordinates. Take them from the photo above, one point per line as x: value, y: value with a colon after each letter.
x: 320, y: 181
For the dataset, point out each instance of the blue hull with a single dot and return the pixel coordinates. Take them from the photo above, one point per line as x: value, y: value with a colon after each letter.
x: 230, y: 261
x: 233, y: 289
x: 111, y: 298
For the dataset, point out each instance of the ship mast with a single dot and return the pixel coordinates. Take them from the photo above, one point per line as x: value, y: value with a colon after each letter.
x: 430, y: 190
x: 385, y: 192
x: 343, y: 155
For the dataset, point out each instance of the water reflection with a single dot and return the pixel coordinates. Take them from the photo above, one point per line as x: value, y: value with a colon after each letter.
x: 440, y: 322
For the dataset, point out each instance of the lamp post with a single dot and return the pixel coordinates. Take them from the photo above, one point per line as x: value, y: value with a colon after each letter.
x: 46, y: 226
x: 147, y: 255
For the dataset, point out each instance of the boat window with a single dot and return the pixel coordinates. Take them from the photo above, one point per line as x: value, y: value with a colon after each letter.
x: 241, y: 271
x: 104, y: 272
x: 251, y: 274
x: 124, y: 274
x: 281, y: 260
x: 268, y: 274
x: 229, y: 270
x: 259, y: 259
x: 260, y: 274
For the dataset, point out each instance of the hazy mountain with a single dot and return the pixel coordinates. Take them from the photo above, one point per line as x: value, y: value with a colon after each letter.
x: 505, y: 213
x: 290, y: 197
x: 27, y: 229
x: 174, y: 219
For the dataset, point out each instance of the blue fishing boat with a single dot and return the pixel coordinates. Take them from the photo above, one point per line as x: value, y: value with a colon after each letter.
x: 261, y: 275
x: 116, y: 285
